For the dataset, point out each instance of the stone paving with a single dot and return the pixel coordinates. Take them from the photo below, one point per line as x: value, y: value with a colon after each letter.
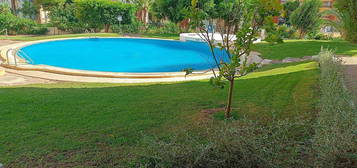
x: 7, y: 42
x: 350, y: 72
x: 14, y: 79
x: 255, y: 57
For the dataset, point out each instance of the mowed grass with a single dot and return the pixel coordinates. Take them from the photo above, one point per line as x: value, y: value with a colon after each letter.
x: 77, y: 124
x: 44, y: 37
x: 301, y: 48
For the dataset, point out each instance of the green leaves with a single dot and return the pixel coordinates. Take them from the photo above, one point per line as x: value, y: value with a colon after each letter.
x: 242, y: 18
x: 16, y: 24
x: 347, y: 19
x: 174, y: 10
x: 217, y: 82
x: 188, y: 71
x: 306, y: 17
x: 97, y: 13
x: 29, y: 10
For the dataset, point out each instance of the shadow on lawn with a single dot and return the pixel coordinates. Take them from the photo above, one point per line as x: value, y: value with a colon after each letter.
x: 53, y: 125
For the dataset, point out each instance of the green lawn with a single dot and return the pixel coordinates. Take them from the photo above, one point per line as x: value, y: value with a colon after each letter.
x: 301, y: 48
x: 33, y: 38
x: 77, y: 124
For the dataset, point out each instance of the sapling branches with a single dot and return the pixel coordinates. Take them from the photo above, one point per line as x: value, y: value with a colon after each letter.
x: 238, y: 22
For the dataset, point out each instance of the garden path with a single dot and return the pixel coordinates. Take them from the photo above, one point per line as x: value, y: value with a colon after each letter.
x: 350, y: 70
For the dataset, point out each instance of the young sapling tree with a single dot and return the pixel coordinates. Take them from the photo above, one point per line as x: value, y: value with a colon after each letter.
x: 239, y: 22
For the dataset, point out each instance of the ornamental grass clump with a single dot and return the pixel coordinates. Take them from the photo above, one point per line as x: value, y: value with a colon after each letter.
x: 240, y: 143
x: 335, y: 131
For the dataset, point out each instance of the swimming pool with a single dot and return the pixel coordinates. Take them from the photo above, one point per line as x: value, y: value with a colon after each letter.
x: 123, y: 55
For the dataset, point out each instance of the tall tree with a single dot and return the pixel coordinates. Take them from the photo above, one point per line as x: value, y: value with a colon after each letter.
x: 46, y: 4
x: 174, y: 10
x: 288, y: 8
x: 306, y: 17
x: 29, y: 10
x: 346, y: 20
x: 144, y: 7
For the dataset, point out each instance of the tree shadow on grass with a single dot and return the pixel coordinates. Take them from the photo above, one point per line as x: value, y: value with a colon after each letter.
x: 41, y: 121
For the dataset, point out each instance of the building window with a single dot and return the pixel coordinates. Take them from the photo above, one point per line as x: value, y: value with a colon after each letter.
x: 327, y: 4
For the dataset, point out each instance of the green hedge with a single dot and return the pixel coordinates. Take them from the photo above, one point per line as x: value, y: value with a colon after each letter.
x: 335, y: 140
x: 153, y: 28
x: 103, y: 13
x: 241, y: 143
x: 18, y: 25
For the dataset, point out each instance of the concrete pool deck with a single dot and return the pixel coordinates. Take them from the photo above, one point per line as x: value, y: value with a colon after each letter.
x: 72, y: 75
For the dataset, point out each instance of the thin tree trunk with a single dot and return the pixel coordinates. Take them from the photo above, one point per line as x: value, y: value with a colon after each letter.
x: 142, y: 15
x: 229, y: 101
x: 107, y: 26
x: 14, y: 7
x: 146, y: 21
x: 301, y: 34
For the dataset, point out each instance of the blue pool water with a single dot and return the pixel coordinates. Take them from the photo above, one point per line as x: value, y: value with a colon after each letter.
x: 123, y: 55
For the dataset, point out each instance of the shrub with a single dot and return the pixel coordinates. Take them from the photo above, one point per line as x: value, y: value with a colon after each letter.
x: 103, y: 13
x: 38, y: 30
x: 317, y: 36
x: 22, y: 25
x: 29, y: 10
x: 274, y: 34
x: 170, y: 28
x: 335, y: 131
x: 78, y: 28
x: 154, y: 28
x: 173, y: 10
x: 63, y: 17
x: 240, y: 143
x: 4, y: 9
x: 6, y: 21
x: 287, y: 32
x: 133, y: 28
x: 164, y: 28
x: 274, y: 37
x: 17, y: 25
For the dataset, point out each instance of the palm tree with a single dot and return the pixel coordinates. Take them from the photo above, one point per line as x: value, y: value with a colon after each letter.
x: 342, y: 22
x: 144, y: 7
x: 13, y: 5
x: 346, y: 22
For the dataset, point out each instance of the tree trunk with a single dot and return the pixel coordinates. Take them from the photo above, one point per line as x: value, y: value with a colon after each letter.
x: 302, y: 34
x: 14, y: 7
x: 146, y: 21
x: 229, y: 101
x: 107, y: 26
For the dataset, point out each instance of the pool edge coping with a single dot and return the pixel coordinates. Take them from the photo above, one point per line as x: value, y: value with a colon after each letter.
x: 205, y: 74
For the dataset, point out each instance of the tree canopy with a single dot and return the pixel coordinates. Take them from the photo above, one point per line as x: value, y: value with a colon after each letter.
x: 348, y: 13
x: 173, y: 10
x: 306, y: 17
x: 99, y: 13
